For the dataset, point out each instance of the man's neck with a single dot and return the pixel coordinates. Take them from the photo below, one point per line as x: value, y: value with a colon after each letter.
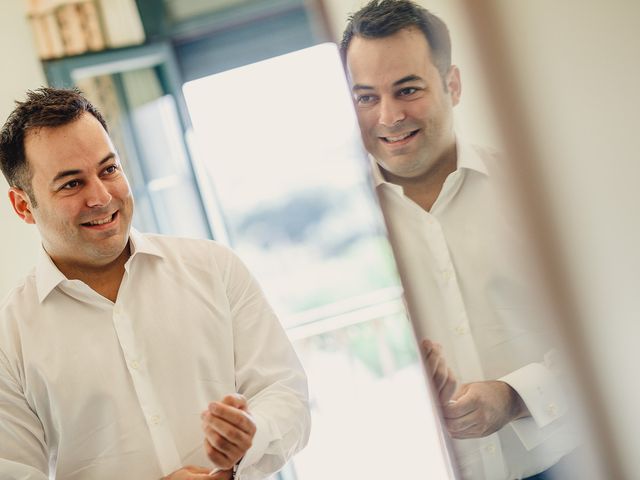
x: 424, y: 189
x: 104, y: 279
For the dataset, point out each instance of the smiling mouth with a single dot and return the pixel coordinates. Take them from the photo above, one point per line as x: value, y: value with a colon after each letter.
x: 100, y: 221
x: 399, y: 138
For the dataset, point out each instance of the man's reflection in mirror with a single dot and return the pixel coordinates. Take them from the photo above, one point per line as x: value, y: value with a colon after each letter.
x: 483, y: 339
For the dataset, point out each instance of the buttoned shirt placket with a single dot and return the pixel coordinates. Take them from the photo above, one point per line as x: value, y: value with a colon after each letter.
x: 489, y: 447
x: 154, y: 414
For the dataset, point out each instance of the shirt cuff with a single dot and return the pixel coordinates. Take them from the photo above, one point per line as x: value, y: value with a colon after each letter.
x: 545, y: 399
x: 258, y: 448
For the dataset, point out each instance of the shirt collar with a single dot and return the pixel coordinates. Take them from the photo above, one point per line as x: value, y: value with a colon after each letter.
x: 141, y: 245
x: 49, y: 277
x: 468, y: 159
x: 378, y: 177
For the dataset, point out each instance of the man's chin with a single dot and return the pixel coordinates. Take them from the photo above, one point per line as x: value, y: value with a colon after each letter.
x: 108, y: 248
x: 401, y: 167
x: 106, y: 257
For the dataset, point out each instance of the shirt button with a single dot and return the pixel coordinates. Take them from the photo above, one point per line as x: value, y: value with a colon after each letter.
x: 552, y: 409
x: 155, y: 419
x: 135, y: 364
x: 461, y: 330
x: 491, y: 448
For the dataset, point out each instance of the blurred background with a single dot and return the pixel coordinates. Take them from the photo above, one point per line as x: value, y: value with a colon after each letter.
x: 234, y: 123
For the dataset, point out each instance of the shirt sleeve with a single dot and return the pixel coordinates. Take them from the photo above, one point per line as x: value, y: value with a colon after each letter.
x: 269, y: 374
x: 22, y: 446
x: 543, y: 393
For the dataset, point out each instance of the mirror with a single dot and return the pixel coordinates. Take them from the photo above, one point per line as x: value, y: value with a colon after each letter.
x: 278, y: 149
x: 464, y: 253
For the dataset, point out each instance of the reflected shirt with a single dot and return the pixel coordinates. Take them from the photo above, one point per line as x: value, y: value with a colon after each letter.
x: 95, y: 389
x: 466, y: 285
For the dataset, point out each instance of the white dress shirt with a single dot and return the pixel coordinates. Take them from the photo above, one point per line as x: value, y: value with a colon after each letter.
x: 95, y: 389
x: 467, y: 288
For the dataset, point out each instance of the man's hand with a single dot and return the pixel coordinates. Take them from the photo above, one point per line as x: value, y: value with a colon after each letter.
x: 443, y: 378
x: 482, y: 408
x: 229, y: 430
x: 197, y: 473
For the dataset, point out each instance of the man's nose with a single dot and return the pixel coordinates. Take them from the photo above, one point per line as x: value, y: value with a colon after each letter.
x: 391, y: 112
x: 98, y: 194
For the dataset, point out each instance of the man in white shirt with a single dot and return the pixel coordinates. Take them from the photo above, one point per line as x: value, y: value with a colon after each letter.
x: 454, y: 248
x: 125, y: 355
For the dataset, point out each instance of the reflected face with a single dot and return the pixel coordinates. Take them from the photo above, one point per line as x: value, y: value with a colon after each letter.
x: 84, y: 203
x: 404, y: 111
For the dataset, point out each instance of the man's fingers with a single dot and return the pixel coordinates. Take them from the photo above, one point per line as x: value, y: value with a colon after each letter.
x: 439, y: 376
x: 234, y: 416
x: 217, y: 427
x: 224, y: 446
x: 427, y: 346
x: 430, y: 349
x: 460, y: 425
x: 221, y: 475
x: 228, y: 430
x: 444, y: 380
x: 236, y: 400
x: 191, y: 472
x: 434, y: 360
x: 463, y: 405
x: 449, y: 388
x: 195, y: 469
x: 220, y: 459
x: 472, y: 431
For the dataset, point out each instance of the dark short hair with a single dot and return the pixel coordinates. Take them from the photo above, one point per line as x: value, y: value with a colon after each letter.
x: 382, y: 18
x: 44, y: 107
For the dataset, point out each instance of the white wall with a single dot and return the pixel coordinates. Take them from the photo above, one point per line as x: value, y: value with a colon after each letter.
x: 21, y: 71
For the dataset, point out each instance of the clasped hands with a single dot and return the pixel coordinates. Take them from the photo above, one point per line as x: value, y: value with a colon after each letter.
x: 474, y: 409
x: 229, y: 430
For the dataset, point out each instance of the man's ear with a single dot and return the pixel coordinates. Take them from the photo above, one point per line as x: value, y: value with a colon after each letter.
x: 454, y: 84
x: 22, y: 204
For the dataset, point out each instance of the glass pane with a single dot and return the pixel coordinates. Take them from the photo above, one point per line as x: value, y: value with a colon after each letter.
x: 279, y: 143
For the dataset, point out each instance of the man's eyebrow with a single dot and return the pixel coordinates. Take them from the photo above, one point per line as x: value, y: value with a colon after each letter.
x: 358, y: 86
x: 403, y: 80
x: 407, y: 79
x: 70, y: 173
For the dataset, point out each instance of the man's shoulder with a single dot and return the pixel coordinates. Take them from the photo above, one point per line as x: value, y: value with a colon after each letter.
x: 20, y: 298
x: 494, y: 163
x: 492, y: 158
x: 199, y: 259
x: 185, y: 249
x: 162, y: 241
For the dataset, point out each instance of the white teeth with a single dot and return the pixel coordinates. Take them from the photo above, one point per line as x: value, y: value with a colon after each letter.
x: 397, y: 139
x: 101, y: 221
